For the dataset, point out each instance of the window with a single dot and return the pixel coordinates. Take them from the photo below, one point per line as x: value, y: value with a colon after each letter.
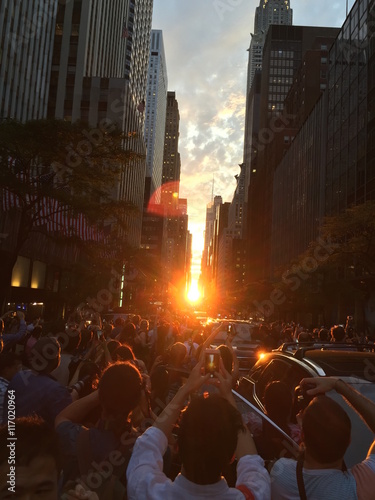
x: 280, y: 371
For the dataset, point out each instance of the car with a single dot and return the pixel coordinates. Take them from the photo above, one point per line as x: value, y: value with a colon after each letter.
x: 353, y: 364
x: 241, y: 334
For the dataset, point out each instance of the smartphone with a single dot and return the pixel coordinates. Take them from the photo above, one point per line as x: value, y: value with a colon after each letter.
x: 229, y: 328
x: 301, y: 398
x: 99, y: 333
x: 211, y: 361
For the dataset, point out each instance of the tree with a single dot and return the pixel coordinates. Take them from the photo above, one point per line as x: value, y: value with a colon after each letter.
x: 58, y: 178
x: 339, y: 265
x: 350, y: 240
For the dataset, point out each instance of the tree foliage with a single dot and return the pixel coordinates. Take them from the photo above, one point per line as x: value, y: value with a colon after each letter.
x: 53, y: 167
x: 338, y: 265
x: 351, y: 237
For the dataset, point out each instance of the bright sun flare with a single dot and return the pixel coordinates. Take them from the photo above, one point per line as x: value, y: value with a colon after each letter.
x: 193, y: 294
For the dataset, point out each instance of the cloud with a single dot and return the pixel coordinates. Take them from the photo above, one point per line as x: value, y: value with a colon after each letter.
x: 206, y: 44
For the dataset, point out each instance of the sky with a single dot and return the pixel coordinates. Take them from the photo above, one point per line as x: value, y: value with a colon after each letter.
x: 206, y: 44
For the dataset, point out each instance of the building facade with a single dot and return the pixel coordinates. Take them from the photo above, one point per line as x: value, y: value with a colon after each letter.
x: 284, y: 51
x: 171, y: 159
x: 99, y: 69
x: 76, y: 60
x: 156, y: 104
x: 269, y: 12
x: 26, y: 44
x: 350, y: 148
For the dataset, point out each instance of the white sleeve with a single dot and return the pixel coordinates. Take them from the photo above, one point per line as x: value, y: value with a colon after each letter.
x: 370, y: 462
x: 145, y: 477
x: 252, y: 474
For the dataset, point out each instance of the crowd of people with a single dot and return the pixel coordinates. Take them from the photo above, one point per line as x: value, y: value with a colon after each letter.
x: 133, y: 410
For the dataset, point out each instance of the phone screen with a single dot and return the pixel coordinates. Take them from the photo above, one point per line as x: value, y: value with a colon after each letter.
x: 211, y: 361
x: 99, y: 333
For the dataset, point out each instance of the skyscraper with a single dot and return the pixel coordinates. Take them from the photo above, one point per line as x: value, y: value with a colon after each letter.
x: 269, y: 12
x: 171, y: 159
x: 284, y: 50
x: 156, y: 103
x: 26, y: 44
x: 99, y: 69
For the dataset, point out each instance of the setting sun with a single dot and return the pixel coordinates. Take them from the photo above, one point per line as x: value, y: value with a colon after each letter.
x: 193, y: 294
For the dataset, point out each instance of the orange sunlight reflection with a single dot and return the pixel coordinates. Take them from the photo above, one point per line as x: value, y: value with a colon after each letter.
x: 193, y: 294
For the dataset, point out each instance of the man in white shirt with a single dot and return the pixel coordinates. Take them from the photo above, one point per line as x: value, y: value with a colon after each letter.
x: 326, y: 435
x: 211, y: 434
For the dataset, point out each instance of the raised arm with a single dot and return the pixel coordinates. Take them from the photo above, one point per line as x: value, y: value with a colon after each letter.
x: 211, y: 337
x: 168, y: 417
x: 245, y: 443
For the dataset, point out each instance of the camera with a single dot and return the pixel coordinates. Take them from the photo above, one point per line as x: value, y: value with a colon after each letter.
x: 301, y: 398
x: 211, y: 361
x: 82, y: 386
x: 230, y: 329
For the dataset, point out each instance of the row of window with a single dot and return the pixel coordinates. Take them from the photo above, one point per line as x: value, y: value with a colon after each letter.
x: 280, y: 72
x: 282, y: 53
x: 287, y: 63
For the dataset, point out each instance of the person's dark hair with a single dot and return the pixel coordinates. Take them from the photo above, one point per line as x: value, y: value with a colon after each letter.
x: 227, y: 357
x: 288, y: 333
x: 119, y: 321
x: 120, y: 388
x: 136, y: 319
x: 278, y: 402
x: 8, y: 360
x: 127, y: 334
x: 45, y: 355
x: 324, y: 335
x: 326, y: 428
x: 37, y: 332
x: 123, y: 353
x: 338, y: 333
x: 305, y: 337
x: 34, y: 439
x: 178, y: 354
x: 112, y: 345
x: 207, y: 438
x: 144, y: 324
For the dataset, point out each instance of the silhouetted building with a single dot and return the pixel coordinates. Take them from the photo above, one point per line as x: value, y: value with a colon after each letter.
x: 171, y: 160
x: 284, y: 51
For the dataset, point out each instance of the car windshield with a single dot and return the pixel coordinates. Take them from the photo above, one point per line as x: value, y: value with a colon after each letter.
x: 240, y: 333
x: 345, y: 363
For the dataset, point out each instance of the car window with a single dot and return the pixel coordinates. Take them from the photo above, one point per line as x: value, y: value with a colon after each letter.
x: 280, y: 371
x: 275, y: 370
x: 255, y: 374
